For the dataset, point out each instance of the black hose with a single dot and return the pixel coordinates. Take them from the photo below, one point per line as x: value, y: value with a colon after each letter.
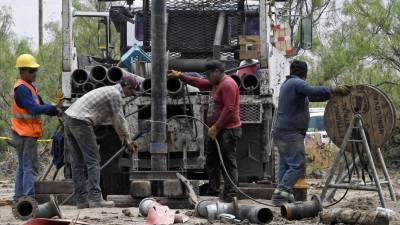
x: 349, y: 174
x: 222, y: 161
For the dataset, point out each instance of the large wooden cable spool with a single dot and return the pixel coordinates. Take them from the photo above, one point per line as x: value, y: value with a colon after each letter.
x: 376, y: 109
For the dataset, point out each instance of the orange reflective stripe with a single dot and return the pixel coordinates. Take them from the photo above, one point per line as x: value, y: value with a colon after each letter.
x: 23, y: 123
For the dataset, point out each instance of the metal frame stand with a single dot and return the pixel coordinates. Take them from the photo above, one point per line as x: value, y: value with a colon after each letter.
x: 357, y: 125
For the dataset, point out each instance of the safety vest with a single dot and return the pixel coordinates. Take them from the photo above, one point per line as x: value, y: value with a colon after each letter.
x: 23, y: 123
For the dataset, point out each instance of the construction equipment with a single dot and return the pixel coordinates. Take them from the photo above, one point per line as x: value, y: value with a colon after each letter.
x: 360, y: 124
x: 208, y: 29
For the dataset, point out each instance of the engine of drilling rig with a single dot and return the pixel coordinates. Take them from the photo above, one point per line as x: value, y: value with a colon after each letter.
x: 196, y: 31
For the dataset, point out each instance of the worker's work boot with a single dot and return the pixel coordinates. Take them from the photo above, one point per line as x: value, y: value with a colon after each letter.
x: 280, y: 197
x: 101, y: 203
x: 82, y: 205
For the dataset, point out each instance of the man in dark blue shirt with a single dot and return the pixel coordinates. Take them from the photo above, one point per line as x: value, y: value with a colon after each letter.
x: 291, y: 126
x: 26, y: 125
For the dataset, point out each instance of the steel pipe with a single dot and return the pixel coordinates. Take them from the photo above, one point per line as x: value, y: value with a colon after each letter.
x: 237, y: 80
x: 301, y: 210
x: 80, y: 76
x: 114, y: 75
x: 145, y: 205
x: 255, y: 214
x: 99, y: 85
x: 219, y: 32
x: 250, y: 82
x: 27, y: 207
x: 146, y: 86
x: 175, y: 88
x: 187, y: 65
x: 98, y: 73
x: 88, y: 86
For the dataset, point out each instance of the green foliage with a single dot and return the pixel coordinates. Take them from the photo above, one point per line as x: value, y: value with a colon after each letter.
x: 86, y: 30
x: 363, y: 49
x: 10, y: 47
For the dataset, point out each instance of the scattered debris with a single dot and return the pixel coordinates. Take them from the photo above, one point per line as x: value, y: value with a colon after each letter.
x: 350, y: 216
x: 160, y: 214
x: 5, y: 202
x: 127, y: 213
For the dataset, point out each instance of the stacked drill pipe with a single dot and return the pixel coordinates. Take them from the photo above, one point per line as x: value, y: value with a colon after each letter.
x: 175, y: 87
x: 84, y: 81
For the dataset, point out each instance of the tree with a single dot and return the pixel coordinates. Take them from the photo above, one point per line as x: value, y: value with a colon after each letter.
x: 363, y: 49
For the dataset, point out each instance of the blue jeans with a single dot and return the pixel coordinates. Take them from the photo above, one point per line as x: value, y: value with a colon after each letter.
x: 84, y: 153
x: 292, y: 162
x: 27, y: 167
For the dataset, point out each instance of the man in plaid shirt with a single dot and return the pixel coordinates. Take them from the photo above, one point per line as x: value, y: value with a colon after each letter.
x: 94, y: 108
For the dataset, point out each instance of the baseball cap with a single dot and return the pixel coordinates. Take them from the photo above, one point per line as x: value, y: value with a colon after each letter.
x: 131, y: 81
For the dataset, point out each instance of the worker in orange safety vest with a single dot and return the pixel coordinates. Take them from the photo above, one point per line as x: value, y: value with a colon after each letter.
x: 26, y: 125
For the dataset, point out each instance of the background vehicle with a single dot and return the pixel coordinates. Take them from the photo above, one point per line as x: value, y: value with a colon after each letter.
x: 316, y: 126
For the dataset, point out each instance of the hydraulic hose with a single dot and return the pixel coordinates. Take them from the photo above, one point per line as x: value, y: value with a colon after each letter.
x: 221, y: 160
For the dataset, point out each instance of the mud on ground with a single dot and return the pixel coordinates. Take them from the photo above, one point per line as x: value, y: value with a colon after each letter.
x: 364, y: 201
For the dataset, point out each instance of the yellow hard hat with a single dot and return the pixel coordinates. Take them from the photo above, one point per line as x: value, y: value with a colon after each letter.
x: 26, y: 60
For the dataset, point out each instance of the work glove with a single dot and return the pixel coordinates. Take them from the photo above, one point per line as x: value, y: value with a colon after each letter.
x: 174, y: 74
x: 213, y: 132
x: 132, y: 146
x: 341, y: 90
x: 59, y: 112
x: 57, y: 98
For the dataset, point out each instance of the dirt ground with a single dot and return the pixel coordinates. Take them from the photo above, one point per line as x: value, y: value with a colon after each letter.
x: 365, y: 201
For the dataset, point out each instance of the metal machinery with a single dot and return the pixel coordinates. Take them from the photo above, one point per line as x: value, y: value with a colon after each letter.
x: 196, y: 30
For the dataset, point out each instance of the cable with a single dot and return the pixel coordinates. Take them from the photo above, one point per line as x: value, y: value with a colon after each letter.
x: 136, y: 111
x: 349, y: 174
x: 222, y: 161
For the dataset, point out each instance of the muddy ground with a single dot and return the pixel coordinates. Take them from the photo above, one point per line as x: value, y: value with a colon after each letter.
x: 365, y: 201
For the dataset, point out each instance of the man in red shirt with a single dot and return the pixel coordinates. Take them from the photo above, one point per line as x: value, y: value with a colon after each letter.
x: 224, y: 122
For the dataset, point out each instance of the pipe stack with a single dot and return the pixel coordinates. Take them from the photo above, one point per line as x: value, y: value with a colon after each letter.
x: 98, y: 76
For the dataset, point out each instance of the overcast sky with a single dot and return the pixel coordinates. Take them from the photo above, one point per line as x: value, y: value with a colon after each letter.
x: 25, y: 16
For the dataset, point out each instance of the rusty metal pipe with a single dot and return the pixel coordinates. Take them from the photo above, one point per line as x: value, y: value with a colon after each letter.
x: 98, y: 73
x: 27, y: 207
x: 79, y: 77
x: 350, y: 216
x: 301, y: 210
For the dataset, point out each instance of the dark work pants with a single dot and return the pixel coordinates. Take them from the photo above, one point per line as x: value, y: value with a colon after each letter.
x: 84, y: 152
x: 228, y: 141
